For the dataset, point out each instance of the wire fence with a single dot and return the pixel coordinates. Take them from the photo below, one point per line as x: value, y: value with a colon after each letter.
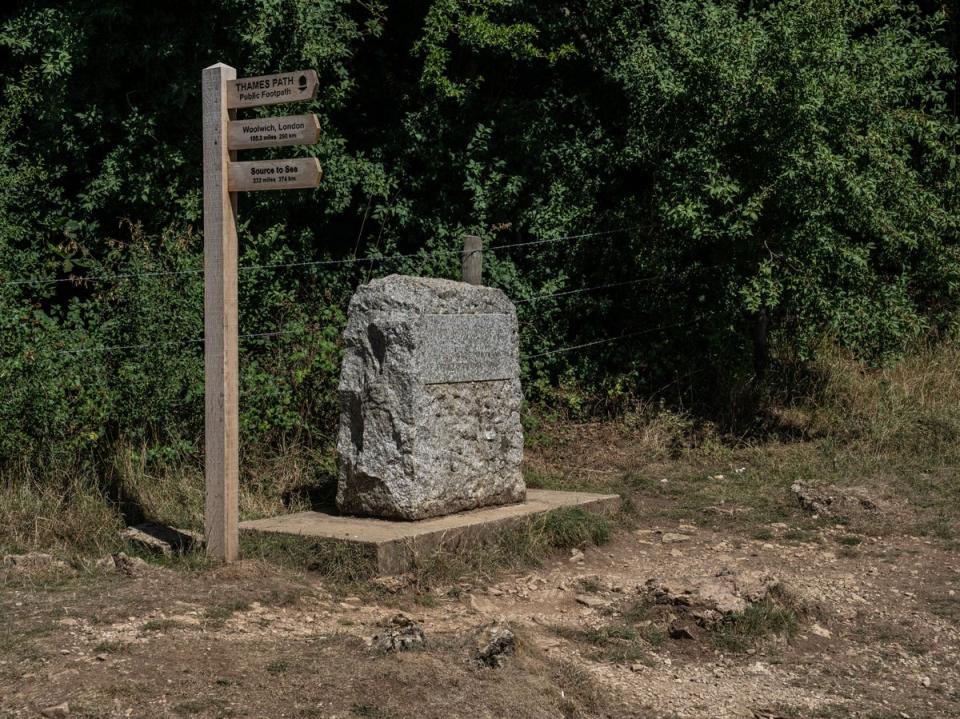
x: 370, y: 259
x: 608, y: 340
x: 82, y: 279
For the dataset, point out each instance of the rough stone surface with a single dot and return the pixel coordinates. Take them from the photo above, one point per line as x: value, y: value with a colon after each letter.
x: 833, y: 502
x: 54, y: 712
x: 588, y: 600
x: 401, y: 635
x: 161, y: 539
x: 495, y: 643
x: 32, y: 561
x: 123, y: 563
x: 430, y: 400
x: 709, y: 599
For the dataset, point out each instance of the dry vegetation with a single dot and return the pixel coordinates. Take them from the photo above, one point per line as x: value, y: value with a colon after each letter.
x: 878, y: 587
x: 894, y: 430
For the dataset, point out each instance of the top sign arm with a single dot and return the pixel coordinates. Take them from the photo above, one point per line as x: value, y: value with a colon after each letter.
x: 272, y: 89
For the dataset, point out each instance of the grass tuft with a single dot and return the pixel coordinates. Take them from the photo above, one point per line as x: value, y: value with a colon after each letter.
x: 341, y: 562
x: 614, y: 643
x: 277, y: 666
x: 523, y: 545
x: 160, y: 625
x: 571, y: 527
x: 758, y: 621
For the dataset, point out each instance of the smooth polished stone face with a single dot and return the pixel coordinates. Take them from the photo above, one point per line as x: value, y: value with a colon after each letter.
x: 467, y: 348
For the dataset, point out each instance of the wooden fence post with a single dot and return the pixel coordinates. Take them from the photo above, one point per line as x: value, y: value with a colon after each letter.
x: 221, y: 418
x: 472, y: 259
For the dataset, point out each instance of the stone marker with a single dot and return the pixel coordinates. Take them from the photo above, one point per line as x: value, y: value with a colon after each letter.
x: 429, y: 400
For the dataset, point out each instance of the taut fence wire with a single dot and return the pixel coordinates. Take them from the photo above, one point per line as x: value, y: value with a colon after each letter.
x: 81, y: 280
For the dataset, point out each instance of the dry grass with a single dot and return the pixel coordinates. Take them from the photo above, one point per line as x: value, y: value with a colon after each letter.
x: 70, y: 518
x: 909, y: 409
x: 76, y: 512
x: 174, y: 494
x: 893, y: 431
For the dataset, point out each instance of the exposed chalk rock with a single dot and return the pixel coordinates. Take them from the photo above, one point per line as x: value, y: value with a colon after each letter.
x: 161, y: 539
x: 429, y: 400
x: 401, y: 635
x: 494, y: 644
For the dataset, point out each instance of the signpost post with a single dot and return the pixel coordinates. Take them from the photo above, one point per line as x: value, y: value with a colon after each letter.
x: 223, y: 178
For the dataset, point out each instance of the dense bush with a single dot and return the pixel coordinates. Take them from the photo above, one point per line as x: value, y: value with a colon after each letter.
x: 780, y: 171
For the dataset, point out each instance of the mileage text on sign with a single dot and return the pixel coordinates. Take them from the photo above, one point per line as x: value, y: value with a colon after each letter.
x: 274, y: 174
x: 273, y: 132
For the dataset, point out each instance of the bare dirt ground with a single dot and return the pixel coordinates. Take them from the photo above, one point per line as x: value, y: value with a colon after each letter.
x: 867, y: 624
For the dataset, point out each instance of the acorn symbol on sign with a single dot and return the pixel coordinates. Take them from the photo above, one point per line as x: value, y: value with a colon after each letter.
x: 302, y: 82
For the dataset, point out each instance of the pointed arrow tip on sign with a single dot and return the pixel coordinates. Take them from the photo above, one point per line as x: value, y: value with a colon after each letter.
x: 292, y: 174
x: 272, y: 89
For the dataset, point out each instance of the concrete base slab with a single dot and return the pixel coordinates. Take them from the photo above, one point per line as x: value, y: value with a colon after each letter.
x: 395, y: 545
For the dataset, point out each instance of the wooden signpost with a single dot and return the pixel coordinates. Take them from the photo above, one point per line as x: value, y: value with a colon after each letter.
x: 223, y: 177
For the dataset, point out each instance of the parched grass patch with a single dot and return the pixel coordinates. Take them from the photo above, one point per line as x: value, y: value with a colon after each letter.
x: 76, y: 511
x: 849, y: 540
x: 370, y: 711
x: 945, y: 606
x: 617, y: 643
x: 200, y: 705
x: 341, y: 562
x: 795, y: 534
x: 112, y: 647
x: 160, y: 625
x: 277, y: 666
x: 73, y: 517
x: 18, y: 641
x: 758, y: 621
x: 218, y: 614
x: 522, y: 545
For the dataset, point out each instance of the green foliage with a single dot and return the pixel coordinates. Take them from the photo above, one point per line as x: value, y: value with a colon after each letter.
x: 806, y: 149
x: 774, y: 172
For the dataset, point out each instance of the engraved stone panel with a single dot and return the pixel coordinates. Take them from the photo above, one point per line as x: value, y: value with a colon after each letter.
x: 467, y: 348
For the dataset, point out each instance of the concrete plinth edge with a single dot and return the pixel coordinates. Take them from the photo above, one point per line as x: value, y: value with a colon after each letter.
x: 395, y: 545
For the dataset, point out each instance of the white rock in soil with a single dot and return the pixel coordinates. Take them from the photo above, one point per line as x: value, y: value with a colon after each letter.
x: 55, y: 712
x: 403, y: 634
x: 821, y: 631
x: 481, y: 605
x: 494, y: 644
x: 725, y: 592
x: 161, y: 539
x: 33, y: 561
x: 588, y: 600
